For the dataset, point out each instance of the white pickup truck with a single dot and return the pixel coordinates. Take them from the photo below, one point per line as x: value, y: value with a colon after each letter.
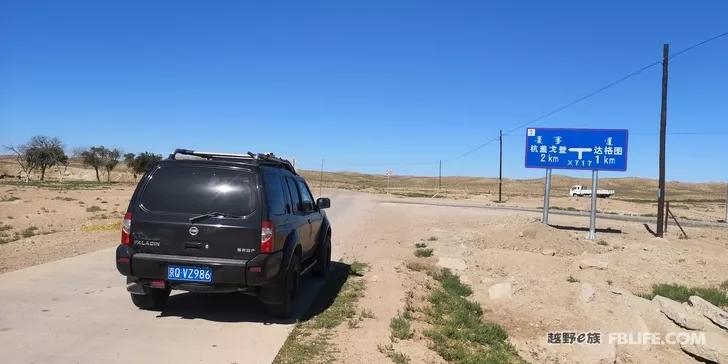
x: 579, y: 190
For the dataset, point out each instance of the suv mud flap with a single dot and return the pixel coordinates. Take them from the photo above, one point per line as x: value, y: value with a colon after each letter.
x: 270, y: 266
x: 123, y: 260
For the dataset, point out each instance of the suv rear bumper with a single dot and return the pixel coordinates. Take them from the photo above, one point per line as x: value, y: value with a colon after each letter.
x: 264, y: 269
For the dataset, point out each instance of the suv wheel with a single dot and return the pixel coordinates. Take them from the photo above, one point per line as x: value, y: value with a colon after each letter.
x: 323, y: 259
x: 289, y: 291
x: 154, y: 299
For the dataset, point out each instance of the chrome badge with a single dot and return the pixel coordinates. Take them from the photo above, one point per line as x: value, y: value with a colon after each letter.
x: 194, y: 230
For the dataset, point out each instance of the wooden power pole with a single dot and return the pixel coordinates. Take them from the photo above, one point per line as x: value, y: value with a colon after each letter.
x: 321, y: 181
x: 500, y: 168
x: 439, y: 178
x: 663, y: 131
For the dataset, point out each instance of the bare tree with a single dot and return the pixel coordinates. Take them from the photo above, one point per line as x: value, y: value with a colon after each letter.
x: 129, y: 161
x: 94, y: 157
x: 20, y: 153
x: 144, y: 162
x: 44, y: 152
x: 111, y: 160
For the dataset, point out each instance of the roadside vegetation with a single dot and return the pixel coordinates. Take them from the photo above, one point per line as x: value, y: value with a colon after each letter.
x: 680, y: 293
x: 458, y: 331
x: 452, y: 322
x: 112, y: 226
x: 94, y: 208
x: 422, y: 250
x: 29, y: 231
x: 309, y: 340
x: 395, y: 356
x: 5, y: 236
x: 571, y: 279
x: 401, y: 326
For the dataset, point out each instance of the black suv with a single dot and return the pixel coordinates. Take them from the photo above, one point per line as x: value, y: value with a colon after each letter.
x: 214, y: 222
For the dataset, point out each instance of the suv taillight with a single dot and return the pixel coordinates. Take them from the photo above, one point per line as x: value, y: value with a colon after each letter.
x: 266, y: 237
x: 126, y: 229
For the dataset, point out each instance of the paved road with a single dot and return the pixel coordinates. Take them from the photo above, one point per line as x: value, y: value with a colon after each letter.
x: 77, y: 310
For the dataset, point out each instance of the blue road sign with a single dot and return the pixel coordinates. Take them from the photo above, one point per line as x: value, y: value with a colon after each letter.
x: 584, y: 149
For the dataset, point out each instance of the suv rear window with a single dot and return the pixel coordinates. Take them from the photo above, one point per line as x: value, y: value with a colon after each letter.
x: 198, y: 189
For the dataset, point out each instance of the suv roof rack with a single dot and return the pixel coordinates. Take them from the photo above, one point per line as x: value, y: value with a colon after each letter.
x: 260, y: 158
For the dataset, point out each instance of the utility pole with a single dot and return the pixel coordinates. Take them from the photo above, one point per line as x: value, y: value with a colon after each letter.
x: 321, y: 182
x: 725, y: 220
x: 439, y: 178
x: 500, y: 168
x: 663, y: 130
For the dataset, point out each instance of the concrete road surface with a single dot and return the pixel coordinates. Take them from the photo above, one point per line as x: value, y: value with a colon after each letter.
x: 77, y: 310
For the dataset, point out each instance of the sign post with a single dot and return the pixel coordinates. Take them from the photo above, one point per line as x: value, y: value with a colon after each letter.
x: 577, y: 149
x: 593, y: 215
x: 546, y: 195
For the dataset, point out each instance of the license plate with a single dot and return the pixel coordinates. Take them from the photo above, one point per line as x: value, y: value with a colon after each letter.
x: 188, y: 273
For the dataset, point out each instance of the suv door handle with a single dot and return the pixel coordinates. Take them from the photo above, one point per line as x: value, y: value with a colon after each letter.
x: 309, y: 221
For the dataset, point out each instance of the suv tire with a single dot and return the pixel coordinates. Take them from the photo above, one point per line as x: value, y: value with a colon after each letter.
x: 154, y: 299
x: 288, y: 291
x: 323, y: 259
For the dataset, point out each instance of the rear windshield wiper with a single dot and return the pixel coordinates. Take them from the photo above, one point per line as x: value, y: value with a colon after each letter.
x: 212, y: 214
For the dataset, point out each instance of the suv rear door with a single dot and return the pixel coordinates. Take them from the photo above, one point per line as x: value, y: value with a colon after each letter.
x: 301, y: 221
x: 178, y: 191
x: 310, y: 211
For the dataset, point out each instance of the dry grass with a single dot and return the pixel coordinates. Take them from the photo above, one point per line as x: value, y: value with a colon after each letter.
x: 113, y: 226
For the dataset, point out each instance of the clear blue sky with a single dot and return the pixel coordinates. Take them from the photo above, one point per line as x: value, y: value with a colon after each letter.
x: 369, y: 85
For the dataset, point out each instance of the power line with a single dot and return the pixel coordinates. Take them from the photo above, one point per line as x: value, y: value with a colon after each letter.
x: 588, y: 95
x: 718, y: 132
x: 698, y: 44
x: 681, y: 133
x: 560, y: 108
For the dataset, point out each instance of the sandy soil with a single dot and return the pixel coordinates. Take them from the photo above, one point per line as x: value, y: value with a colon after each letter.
x: 45, y: 225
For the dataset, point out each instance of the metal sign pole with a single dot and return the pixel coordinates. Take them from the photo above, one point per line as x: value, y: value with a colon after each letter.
x: 593, y: 218
x: 546, y: 193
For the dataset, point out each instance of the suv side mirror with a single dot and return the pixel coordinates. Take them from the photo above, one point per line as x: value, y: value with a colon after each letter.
x: 323, y: 203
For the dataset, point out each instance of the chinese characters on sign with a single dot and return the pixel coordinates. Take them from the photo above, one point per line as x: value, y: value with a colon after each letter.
x: 585, y: 149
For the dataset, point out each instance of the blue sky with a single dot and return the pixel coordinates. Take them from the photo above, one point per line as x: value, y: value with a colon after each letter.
x: 367, y: 86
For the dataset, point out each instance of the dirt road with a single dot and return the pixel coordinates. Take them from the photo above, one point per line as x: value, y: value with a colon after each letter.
x: 77, y: 310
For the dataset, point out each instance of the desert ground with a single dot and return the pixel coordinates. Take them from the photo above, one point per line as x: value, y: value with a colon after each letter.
x: 57, y: 278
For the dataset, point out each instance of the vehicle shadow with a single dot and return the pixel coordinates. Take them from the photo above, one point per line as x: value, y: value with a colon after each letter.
x: 579, y: 228
x: 315, y: 296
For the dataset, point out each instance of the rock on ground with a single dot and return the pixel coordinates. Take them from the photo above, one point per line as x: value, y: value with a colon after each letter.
x: 549, y: 252
x: 503, y: 290
x: 682, y: 315
x: 592, y: 263
x: 715, y: 348
x: 452, y: 263
x: 587, y: 293
x: 709, y: 310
